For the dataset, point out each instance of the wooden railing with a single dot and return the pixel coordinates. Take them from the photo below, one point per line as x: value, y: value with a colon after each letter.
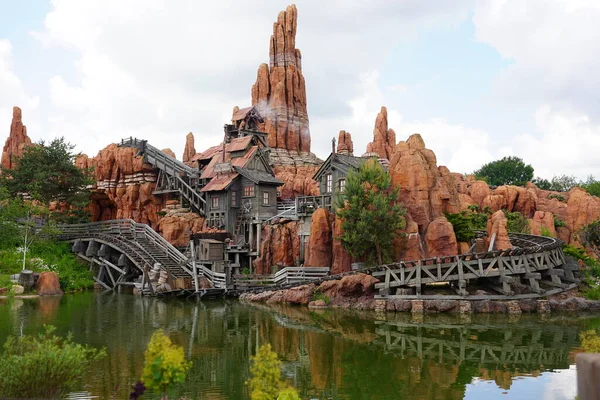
x: 284, y: 277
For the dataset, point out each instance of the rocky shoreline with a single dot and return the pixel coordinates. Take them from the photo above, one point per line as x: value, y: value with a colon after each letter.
x: 356, y: 292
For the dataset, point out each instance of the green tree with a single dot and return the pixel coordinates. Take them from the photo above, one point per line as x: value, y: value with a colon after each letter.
x: 371, y: 216
x: 589, y: 235
x: 563, y: 183
x: 506, y: 171
x: 266, y: 382
x: 592, y: 186
x: 164, y: 363
x: 44, y: 366
x: 47, y: 173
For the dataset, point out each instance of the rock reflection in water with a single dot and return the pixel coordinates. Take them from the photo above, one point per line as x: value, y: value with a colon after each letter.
x: 327, y: 354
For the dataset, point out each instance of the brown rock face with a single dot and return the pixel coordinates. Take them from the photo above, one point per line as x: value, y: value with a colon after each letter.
x: 498, y: 224
x: 440, y: 239
x: 342, y: 262
x: 179, y: 226
x: 169, y: 152
x: 190, y: 150
x: 426, y: 190
x: 541, y: 220
x: 296, y: 171
x: 321, y: 240
x: 280, y: 245
x: 478, y: 191
x: 384, y: 139
x: 17, y: 140
x: 345, y: 145
x: 279, y: 92
x: 48, y: 284
x: 582, y: 209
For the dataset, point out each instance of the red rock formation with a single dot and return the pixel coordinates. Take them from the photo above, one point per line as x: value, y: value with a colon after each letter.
x: 440, y: 239
x: 426, y: 190
x: 178, y: 227
x: 169, y: 152
x: 582, y: 209
x: 384, y: 139
x: 17, y: 140
x: 190, y: 150
x: 296, y: 175
x: 279, y: 92
x: 48, y: 284
x: 478, y: 191
x: 498, y: 224
x: 320, y: 243
x: 280, y: 245
x: 541, y: 220
x: 342, y: 262
x: 409, y: 247
x: 345, y: 145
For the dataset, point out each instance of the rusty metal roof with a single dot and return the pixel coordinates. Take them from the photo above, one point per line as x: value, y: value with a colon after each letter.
x: 207, y: 154
x: 220, y: 182
x: 243, y: 113
x: 209, y: 170
x: 238, y: 144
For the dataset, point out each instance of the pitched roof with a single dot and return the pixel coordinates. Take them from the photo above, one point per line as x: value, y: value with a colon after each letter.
x: 343, y: 162
x: 258, y: 176
x: 220, y: 182
x: 243, y: 112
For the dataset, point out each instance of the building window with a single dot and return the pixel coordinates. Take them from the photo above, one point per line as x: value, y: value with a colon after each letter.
x: 342, y: 185
x: 249, y: 191
x: 234, y: 202
x: 328, y: 183
x: 265, y: 200
x: 214, y: 202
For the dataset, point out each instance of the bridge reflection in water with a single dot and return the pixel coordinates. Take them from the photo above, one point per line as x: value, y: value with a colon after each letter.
x: 326, y: 354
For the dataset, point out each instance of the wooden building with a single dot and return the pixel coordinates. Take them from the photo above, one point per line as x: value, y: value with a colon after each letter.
x: 332, y: 174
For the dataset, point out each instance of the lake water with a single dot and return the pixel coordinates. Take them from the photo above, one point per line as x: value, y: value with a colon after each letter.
x: 326, y: 354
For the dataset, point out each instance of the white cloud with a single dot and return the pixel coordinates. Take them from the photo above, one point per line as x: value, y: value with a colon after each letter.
x: 12, y: 91
x: 159, y: 69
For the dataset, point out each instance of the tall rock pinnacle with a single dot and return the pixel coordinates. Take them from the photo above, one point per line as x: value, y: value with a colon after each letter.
x: 384, y: 139
x: 17, y: 140
x: 279, y: 92
x: 190, y: 150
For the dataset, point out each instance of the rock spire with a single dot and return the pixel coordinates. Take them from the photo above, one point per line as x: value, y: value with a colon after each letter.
x: 190, y: 150
x: 384, y: 139
x: 17, y: 140
x: 345, y: 145
x: 279, y: 92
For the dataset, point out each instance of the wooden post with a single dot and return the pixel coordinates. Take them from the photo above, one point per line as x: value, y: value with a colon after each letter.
x: 194, y: 270
x: 588, y: 376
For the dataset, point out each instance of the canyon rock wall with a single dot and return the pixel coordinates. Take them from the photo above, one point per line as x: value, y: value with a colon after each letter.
x: 17, y: 140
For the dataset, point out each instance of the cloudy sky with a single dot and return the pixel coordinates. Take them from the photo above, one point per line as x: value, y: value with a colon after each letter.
x: 477, y: 79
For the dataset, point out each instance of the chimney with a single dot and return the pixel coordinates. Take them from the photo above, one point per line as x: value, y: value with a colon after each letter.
x: 333, y: 146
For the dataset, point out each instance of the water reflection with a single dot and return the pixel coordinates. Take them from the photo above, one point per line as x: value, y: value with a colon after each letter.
x: 326, y: 354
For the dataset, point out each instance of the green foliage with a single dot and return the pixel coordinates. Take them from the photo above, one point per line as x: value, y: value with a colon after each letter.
x: 589, y: 235
x: 164, y: 363
x: 321, y: 296
x: 461, y: 223
x: 592, y: 186
x: 517, y: 222
x: 563, y: 183
x: 371, y: 217
x: 266, y: 382
x: 506, y: 171
x: 558, y: 197
x: 546, y: 232
x: 542, y: 183
x: 47, y: 172
x: 44, y: 366
x: 590, y: 341
x: 559, y: 222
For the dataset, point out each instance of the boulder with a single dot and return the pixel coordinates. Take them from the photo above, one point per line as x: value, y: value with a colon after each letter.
x: 48, y: 284
x: 342, y: 262
x: 320, y: 243
x: 478, y: 191
x: 440, y: 239
x: 169, y: 152
x: 497, y: 224
x: 280, y: 245
x: 17, y: 140
x: 541, y: 220
x: 17, y: 289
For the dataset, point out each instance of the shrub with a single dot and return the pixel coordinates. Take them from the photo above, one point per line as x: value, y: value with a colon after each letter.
x: 559, y: 222
x: 517, y: 222
x: 164, y: 363
x: 546, y: 232
x: 45, y: 366
x: 590, y: 341
x: 321, y: 296
x: 266, y: 382
x: 557, y: 197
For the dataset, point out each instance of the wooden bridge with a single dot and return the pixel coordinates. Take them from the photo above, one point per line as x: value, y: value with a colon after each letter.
x: 122, y: 251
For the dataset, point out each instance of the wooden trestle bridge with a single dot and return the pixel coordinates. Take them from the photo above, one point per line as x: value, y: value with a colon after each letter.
x: 121, y: 252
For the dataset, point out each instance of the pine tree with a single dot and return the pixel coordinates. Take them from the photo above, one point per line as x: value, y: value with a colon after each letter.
x: 371, y: 216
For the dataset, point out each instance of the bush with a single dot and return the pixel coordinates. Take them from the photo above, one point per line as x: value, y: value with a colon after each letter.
x: 559, y: 222
x: 557, y: 197
x: 590, y: 341
x: 164, y: 363
x: 266, y: 382
x: 321, y: 296
x: 46, y: 366
x: 461, y: 223
x: 546, y: 232
x: 517, y: 222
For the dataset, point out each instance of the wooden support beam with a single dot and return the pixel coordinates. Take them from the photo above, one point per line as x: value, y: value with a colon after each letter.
x: 113, y: 266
